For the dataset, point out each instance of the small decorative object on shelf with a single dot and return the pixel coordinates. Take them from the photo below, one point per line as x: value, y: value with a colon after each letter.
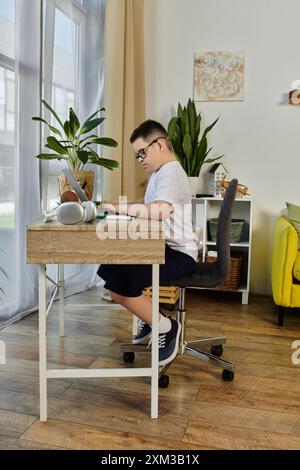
x: 217, y: 173
x: 241, y: 190
x: 294, y: 93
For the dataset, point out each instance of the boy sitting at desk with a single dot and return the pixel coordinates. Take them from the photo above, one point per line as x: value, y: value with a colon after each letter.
x: 167, y: 198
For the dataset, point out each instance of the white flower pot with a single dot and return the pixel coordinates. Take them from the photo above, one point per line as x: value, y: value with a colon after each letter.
x: 198, y: 184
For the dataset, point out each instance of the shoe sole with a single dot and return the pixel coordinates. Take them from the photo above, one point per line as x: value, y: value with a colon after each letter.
x: 141, y: 340
x: 174, y: 353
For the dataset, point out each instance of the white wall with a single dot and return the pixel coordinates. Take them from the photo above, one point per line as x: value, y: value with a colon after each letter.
x: 259, y: 136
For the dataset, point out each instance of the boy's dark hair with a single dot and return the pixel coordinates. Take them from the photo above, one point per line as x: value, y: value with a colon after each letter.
x: 147, y: 129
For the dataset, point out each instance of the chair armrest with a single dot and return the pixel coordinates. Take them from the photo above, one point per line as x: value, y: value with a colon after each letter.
x: 284, y: 253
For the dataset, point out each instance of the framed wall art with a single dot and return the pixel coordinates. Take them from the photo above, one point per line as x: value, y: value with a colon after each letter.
x: 219, y: 76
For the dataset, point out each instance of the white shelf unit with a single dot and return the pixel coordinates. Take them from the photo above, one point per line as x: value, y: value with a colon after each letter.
x: 206, y: 208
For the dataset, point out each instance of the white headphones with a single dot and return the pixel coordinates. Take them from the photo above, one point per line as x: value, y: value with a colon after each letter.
x: 70, y: 213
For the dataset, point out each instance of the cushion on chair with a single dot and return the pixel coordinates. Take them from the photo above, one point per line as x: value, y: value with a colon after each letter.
x: 296, y: 270
x: 294, y: 218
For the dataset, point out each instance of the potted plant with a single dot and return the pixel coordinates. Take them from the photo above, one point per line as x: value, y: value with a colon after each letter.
x: 72, y: 142
x: 191, y: 150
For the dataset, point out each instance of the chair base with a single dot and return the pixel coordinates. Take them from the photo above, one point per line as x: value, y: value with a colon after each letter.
x: 188, y: 348
x: 208, y: 357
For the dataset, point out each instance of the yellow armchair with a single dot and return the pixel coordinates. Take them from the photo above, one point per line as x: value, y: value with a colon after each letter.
x: 285, y: 267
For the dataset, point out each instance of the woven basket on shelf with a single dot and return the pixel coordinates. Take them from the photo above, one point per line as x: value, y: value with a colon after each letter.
x: 236, y: 229
x: 232, y: 281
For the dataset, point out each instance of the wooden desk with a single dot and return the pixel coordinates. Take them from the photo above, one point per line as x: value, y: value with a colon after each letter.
x: 105, y: 242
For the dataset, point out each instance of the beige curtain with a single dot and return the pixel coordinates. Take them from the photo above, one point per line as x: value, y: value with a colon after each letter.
x: 124, y: 94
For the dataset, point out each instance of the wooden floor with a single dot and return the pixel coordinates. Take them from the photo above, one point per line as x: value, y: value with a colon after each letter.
x: 260, y: 409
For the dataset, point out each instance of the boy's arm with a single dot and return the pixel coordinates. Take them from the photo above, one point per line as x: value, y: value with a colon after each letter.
x: 114, y: 206
x: 157, y: 210
x: 116, y: 203
x: 138, y: 201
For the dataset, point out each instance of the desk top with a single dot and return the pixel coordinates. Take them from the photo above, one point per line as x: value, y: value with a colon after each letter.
x: 137, y: 241
x: 144, y: 225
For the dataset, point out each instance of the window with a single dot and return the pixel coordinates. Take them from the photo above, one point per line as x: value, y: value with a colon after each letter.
x: 68, y: 32
x: 7, y: 28
x: 7, y: 113
x: 64, y: 63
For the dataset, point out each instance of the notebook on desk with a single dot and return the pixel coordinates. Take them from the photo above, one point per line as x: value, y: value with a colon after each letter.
x: 104, y: 215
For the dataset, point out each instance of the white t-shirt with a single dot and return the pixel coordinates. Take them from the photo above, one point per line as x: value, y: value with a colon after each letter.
x: 170, y: 183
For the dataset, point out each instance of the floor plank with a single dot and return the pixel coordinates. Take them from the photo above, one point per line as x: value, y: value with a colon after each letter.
x: 222, y: 436
x: 74, y: 436
x: 284, y: 401
x: 14, y: 424
x: 10, y: 443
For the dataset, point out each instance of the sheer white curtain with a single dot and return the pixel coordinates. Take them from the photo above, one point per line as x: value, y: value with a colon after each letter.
x: 21, y: 286
x: 63, y: 32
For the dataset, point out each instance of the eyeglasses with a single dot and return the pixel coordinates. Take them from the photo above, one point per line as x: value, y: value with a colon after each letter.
x: 141, y: 154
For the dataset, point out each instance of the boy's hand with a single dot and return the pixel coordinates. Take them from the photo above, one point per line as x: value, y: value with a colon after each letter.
x: 110, y: 207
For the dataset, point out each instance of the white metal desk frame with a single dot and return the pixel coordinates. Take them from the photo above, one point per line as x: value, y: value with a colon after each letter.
x: 45, y: 373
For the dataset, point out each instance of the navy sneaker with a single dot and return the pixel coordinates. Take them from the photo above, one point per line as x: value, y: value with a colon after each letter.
x: 168, y: 343
x: 144, y: 334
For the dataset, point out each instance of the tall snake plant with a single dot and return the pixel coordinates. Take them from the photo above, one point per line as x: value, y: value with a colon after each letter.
x: 184, y: 131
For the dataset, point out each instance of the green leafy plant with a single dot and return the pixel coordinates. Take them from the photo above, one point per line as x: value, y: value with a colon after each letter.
x: 184, y: 132
x: 72, y: 144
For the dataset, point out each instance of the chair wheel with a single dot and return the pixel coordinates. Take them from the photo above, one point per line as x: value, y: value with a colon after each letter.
x: 228, y: 375
x: 163, y: 381
x: 128, y: 357
x: 217, y: 350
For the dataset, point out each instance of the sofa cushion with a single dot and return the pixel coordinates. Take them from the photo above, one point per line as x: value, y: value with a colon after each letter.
x: 296, y: 269
x: 294, y: 217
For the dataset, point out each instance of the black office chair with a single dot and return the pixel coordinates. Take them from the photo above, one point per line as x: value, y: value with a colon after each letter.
x: 206, y: 275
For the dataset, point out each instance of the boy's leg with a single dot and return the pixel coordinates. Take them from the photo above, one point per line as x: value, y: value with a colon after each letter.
x: 139, y: 306
x: 169, y: 329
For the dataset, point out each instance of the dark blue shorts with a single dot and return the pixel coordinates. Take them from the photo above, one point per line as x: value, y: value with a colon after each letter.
x: 130, y: 279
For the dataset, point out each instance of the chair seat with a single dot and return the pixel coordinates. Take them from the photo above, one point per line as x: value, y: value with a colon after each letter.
x: 205, y: 275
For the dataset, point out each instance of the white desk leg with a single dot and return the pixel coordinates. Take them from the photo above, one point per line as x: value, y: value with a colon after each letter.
x: 154, y: 346
x: 61, y: 300
x: 245, y: 298
x: 42, y: 342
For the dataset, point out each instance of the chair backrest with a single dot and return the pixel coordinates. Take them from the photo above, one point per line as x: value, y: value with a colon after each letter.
x: 212, y: 274
x: 223, y: 230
